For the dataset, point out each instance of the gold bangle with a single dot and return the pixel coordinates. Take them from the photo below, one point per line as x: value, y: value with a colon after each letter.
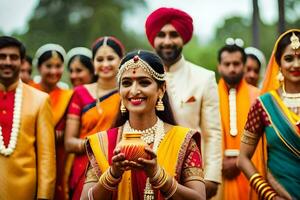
x: 171, y: 191
x: 108, y: 181
x: 254, y: 182
x: 268, y: 194
x: 264, y: 190
x: 160, y: 182
x: 262, y: 186
x: 104, y: 183
x: 258, y: 183
x: 81, y: 145
x: 157, y: 175
x: 254, y: 176
x: 272, y: 195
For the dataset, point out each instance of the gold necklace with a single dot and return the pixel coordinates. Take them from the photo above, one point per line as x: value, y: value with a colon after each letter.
x: 289, y: 95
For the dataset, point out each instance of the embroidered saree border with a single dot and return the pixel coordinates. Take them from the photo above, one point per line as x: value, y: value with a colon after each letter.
x: 269, y: 98
x: 92, y: 105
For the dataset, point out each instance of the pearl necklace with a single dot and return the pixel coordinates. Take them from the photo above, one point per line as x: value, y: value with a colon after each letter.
x: 153, y: 134
x: 15, y: 125
x: 291, y: 100
x: 289, y: 95
x: 148, y: 135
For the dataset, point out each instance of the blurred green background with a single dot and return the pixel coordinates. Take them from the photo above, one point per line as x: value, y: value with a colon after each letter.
x: 74, y: 23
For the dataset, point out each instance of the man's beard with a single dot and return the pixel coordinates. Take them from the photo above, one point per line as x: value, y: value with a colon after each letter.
x: 233, y: 80
x: 171, y: 56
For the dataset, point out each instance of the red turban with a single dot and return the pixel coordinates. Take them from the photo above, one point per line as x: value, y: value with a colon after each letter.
x: 181, y: 21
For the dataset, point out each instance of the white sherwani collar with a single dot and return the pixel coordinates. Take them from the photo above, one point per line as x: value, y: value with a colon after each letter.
x: 177, y: 66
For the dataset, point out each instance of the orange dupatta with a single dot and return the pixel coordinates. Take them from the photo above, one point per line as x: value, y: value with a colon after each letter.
x: 246, y: 95
x: 59, y: 99
x: 109, y: 109
x: 270, y: 81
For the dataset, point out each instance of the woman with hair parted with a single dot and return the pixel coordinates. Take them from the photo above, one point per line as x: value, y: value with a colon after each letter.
x: 80, y: 66
x: 168, y: 165
x: 275, y: 117
x: 93, y: 108
x: 49, y: 60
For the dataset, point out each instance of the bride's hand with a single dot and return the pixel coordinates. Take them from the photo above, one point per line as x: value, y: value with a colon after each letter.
x: 119, y: 163
x: 150, y: 165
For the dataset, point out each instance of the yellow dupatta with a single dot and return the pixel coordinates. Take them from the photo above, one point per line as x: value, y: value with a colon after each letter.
x: 173, y: 147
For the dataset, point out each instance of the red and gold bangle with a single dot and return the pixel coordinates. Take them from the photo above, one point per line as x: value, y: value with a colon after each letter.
x: 269, y: 195
x: 262, y: 187
x: 254, y: 176
x: 265, y: 189
x: 258, y: 183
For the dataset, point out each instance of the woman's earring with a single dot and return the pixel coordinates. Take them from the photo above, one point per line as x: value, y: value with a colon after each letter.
x: 123, y: 108
x: 160, y: 105
x: 280, y: 77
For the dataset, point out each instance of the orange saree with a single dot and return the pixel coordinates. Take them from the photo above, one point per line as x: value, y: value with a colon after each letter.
x: 94, y: 117
x: 246, y: 94
x: 59, y: 100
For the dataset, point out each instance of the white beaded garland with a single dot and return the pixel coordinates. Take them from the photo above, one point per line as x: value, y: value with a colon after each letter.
x: 15, y: 125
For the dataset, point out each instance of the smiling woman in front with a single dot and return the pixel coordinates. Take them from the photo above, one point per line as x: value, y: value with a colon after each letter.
x: 170, y: 164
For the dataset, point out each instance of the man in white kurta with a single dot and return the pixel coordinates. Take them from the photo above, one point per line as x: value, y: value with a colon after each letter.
x: 192, y: 89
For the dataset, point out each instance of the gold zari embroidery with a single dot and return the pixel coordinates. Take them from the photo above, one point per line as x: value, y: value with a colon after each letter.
x: 249, y: 138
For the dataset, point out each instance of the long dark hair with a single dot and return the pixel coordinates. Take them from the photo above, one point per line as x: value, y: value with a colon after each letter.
x: 156, y: 64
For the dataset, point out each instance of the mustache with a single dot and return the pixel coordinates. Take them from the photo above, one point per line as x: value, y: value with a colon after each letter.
x: 7, y: 65
x: 168, y: 46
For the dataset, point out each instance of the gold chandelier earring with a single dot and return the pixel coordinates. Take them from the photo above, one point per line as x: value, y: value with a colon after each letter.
x: 160, y: 104
x: 280, y: 77
x: 123, y: 108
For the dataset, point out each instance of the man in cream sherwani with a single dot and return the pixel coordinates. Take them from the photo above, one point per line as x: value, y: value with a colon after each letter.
x: 192, y: 89
x: 27, y: 148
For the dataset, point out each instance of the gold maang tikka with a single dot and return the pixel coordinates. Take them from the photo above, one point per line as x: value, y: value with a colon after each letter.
x: 54, y: 54
x: 295, y: 44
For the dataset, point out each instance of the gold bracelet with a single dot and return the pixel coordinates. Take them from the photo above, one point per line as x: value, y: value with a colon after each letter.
x: 157, y: 175
x: 264, y: 190
x: 108, y: 181
x: 81, y: 145
x: 104, y: 183
x: 254, y: 176
x: 160, y: 182
x: 262, y: 186
x: 258, y: 183
x: 268, y: 194
x: 171, y: 191
x: 271, y: 196
x: 255, y: 181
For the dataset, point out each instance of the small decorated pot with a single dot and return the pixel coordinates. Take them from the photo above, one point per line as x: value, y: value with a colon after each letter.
x: 133, y: 146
